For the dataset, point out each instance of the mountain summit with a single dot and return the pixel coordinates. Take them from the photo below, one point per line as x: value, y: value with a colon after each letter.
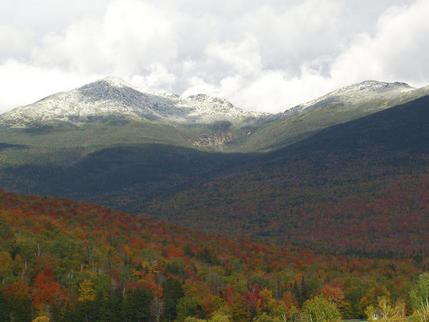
x: 113, y: 97
x: 366, y: 92
x: 342, y: 105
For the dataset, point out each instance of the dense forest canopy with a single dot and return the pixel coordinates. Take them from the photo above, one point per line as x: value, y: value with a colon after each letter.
x: 64, y: 260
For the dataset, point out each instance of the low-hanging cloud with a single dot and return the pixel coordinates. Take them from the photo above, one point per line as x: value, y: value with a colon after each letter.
x: 397, y: 50
x: 261, y: 55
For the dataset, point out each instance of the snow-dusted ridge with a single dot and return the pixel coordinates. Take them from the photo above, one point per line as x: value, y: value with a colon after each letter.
x: 359, y: 93
x: 113, y: 97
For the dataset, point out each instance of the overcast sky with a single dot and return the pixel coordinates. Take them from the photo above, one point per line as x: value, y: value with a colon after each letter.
x: 261, y: 55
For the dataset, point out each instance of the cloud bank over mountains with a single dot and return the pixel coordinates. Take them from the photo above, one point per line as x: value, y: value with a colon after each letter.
x: 261, y: 55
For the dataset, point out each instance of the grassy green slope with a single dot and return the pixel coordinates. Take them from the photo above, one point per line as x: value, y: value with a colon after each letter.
x: 294, y: 128
x: 65, y: 144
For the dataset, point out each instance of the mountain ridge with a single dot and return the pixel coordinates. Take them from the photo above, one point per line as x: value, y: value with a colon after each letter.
x: 339, y: 106
x: 200, y: 121
x: 113, y: 97
x: 359, y: 91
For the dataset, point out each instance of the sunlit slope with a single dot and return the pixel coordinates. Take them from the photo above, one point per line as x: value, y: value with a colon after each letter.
x: 340, y: 106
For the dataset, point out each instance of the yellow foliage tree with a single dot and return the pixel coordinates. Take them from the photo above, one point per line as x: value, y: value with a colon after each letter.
x: 421, y: 315
x: 220, y: 317
x: 5, y: 261
x: 267, y: 298
x: 386, y: 312
x: 86, y: 291
x: 42, y: 318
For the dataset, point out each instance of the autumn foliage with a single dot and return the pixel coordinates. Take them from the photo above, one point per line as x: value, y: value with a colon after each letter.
x: 76, y: 261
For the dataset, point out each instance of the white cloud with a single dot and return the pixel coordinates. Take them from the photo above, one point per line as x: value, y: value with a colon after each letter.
x: 158, y: 79
x: 304, y: 31
x: 242, y: 58
x: 265, y: 55
x: 23, y: 84
x: 272, y: 87
x: 13, y: 41
x: 129, y: 38
x: 397, y: 51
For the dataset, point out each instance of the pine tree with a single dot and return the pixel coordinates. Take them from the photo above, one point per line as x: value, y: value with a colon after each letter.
x: 173, y: 291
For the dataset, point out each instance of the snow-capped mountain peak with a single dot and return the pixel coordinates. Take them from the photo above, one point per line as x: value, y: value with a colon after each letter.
x: 113, y: 97
x: 360, y: 93
x: 115, y: 82
x: 375, y: 87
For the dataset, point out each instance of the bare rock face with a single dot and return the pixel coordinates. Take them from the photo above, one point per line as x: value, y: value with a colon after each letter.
x: 212, y: 140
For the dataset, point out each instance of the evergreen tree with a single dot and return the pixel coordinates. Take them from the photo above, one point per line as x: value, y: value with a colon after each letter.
x: 136, y: 305
x: 115, y: 306
x: 173, y: 291
x: 4, y: 308
x: 188, y: 306
x: 22, y: 310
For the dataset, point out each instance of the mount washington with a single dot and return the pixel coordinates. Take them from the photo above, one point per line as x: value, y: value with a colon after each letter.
x: 113, y: 97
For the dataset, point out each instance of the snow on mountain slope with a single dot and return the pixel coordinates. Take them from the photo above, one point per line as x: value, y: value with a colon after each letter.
x: 357, y: 94
x: 114, y: 97
x: 366, y: 90
x: 340, y: 106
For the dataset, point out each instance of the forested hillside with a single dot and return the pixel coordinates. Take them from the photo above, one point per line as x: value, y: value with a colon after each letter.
x: 361, y: 187
x: 71, y: 261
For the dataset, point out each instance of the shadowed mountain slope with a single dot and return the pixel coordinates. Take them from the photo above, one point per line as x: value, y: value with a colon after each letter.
x: 362, y: 187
